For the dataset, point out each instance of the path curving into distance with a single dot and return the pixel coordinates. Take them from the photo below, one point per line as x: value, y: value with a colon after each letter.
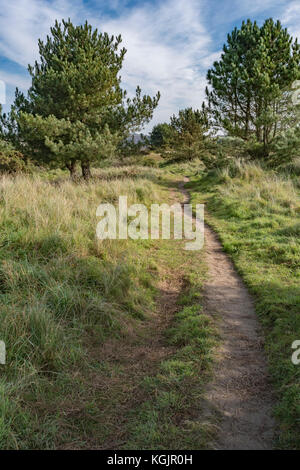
x: 240, y: 393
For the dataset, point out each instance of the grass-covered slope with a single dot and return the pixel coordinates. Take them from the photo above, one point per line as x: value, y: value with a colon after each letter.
x: 257, y: 215
x: 60, y: 290
x: 100, y: 354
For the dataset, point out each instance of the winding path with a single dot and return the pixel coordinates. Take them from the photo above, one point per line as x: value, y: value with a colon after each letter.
x: 240, y: 393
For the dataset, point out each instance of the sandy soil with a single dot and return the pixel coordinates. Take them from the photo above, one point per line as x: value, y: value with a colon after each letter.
x: 240, y: 393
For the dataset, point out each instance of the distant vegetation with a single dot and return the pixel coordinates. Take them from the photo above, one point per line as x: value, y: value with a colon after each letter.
x: 249, y: 100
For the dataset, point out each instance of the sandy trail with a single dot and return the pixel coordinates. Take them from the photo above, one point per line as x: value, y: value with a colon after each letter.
x: 240, y: 392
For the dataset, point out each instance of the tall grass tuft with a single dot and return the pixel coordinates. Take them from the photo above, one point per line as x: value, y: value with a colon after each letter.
x: 59, y: 285
x: 257, y: 215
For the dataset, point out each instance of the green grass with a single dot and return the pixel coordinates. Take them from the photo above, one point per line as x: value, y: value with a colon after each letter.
x: 76, y: 314
x: 61, y: 291
x: 257, y: 216
x: 169, y: 416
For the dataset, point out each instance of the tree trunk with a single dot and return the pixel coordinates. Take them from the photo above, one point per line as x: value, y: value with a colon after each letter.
x: 247, y: 119
x: 72, y: 168
x: 86, y: 170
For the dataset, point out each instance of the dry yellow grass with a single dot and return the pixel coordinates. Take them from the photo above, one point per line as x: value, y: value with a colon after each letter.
x: 58, y: 285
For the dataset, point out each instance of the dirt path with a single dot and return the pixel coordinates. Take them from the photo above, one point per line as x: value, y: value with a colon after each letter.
x: 240, y: 392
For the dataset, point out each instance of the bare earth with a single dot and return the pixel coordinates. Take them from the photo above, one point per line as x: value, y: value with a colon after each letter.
x: 240, y: 392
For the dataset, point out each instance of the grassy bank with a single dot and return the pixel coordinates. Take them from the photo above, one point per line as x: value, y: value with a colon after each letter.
x: 169, y: 415
x: 96, y: 358
x: 257, y: 215
x: 61, y: 290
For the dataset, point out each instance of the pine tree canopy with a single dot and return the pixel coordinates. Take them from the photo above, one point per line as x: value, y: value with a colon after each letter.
x: 161, y: 135
x: 257, y: 65
x: 189, y: 128
x: 76, y: 108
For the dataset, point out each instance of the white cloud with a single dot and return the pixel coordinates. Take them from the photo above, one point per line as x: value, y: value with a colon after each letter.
x: 168, y: 42
x: 168, y: 46
x: 233, y: 10
x: 291, y: 18
x: 15, y: 80
x: 208, y: 61
x: 168, y: 50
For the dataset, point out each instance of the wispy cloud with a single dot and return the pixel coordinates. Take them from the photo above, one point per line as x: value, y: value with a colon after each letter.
x: 229, y: 11
x: 291, y: 18
x: 167, y: 42
x: 170, y: 43
x: 168, y: 50
x: 15, y: 80
x: 22, y: 22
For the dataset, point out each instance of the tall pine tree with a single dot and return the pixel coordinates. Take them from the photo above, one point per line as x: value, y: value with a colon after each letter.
x: 257, y: 65
x: 76, y: 109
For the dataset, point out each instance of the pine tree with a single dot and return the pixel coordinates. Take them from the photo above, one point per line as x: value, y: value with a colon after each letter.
x: 161, y: 136
x: 76, y: 101
x: 189, y: 129
x: 257, y: 65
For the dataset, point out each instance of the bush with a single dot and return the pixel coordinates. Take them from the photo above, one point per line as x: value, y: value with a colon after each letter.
x: 286, y: 148
x: 291, y: 168
x: 256, y: 150
x: 12, y: 162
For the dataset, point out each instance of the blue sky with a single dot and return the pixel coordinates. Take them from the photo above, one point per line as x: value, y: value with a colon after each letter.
x: 170, y: 43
